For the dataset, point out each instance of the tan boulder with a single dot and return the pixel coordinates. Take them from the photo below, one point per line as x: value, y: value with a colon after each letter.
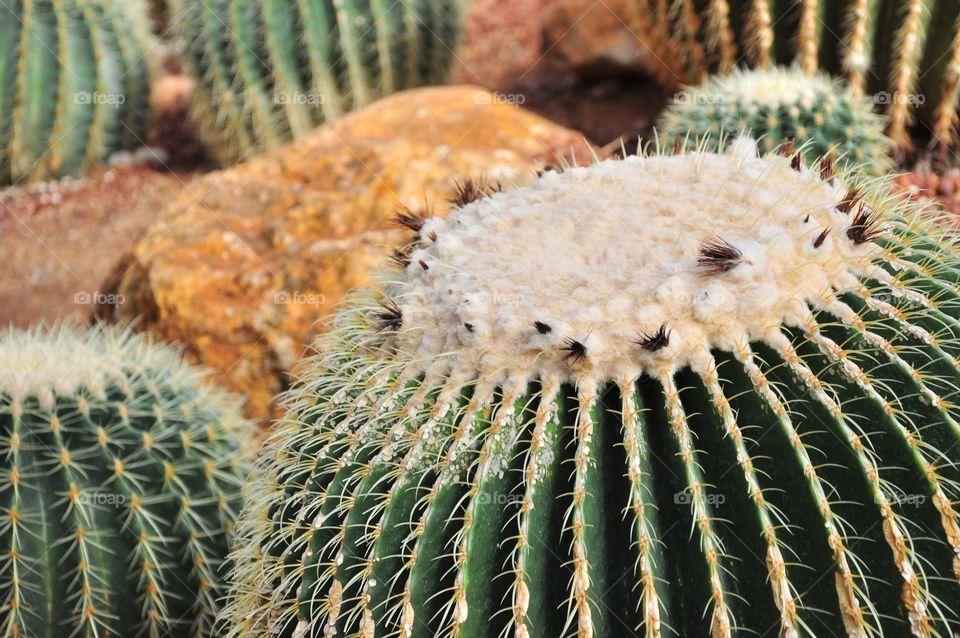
x: 244, y: 266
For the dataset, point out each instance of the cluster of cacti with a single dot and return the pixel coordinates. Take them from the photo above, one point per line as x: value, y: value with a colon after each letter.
x: 74, y: 84
x: 270, y: 70
x: 694, y: 394
x: 777, y: 106
x: 120, y: 481
x: 905, y: 54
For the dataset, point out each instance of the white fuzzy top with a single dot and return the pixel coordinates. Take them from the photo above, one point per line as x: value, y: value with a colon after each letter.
x: 605, y: 253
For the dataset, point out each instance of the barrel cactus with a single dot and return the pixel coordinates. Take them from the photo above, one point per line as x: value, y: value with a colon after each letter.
x: 903, y: 53
x: 74, y: 84
x: 120, y: 481
x: 270, y: 70
x: 695, y: 394
x: 780, y: 106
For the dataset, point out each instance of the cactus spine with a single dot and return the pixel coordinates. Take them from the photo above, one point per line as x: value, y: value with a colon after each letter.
x: 120, y: 481
x: 905, y: 53
x: 689, y: 395
x: 779, y: 105
x: 270, y: 70
x: 74, y: 84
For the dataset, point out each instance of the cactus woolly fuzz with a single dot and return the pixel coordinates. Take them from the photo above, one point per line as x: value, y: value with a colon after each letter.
x: 696, y: 394
x: 120, y: 481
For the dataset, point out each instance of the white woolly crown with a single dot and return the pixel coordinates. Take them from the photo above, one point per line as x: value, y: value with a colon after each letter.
x: 630, y: 266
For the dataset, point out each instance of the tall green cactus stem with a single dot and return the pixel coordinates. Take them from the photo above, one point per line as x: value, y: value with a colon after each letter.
x: 120, y: 481
x: 74, y: 84
x: 779, y: 105
x: 903, y: 53
x: 696, y: 394
x: 270, y: 70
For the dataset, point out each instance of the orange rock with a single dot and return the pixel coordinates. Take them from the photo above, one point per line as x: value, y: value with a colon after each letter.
x: 245, y: 264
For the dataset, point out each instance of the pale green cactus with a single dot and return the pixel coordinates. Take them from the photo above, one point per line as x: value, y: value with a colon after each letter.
x: 74, y: 84
x: 120, y: 481
x: 905, y: 54
x: 779, y: 106
x: 271, y: 70
x: 672, y: 395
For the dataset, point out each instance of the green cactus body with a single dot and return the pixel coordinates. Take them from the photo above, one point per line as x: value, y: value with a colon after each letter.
x: 120, y: 481
x: 779, y: 105
x: 696, y: 394
x: 74, y: 84
x: 904, y: 53
x: 285, y: 66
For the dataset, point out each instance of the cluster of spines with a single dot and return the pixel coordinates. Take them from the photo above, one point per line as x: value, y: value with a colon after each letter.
x: 117, y: 499
x: 424, y: 500
x: 271, y: 71
x: 74, y: 84
x: 906, y: 54
x: 818, y: 113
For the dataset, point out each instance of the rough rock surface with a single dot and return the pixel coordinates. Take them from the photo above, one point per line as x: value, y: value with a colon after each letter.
x: 245, y: 264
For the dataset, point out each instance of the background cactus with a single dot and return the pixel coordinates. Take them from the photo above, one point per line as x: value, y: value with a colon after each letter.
x: 671, y: 395
x: 74, y: 84
x: 270, y: 70
x: 120, y: 479
x: 776, y: 106
x: 904, y: 53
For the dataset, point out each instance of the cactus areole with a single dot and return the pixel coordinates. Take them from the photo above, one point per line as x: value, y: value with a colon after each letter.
x: 120, y: 480
x: 672, y: 395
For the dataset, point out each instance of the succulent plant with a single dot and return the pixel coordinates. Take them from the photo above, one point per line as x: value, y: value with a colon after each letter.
x: 905, y: 54
x: 120, y: 481
x: 778, y: 106
x: 74, y: 84
x: 271, y: 70
x: 695, y: 394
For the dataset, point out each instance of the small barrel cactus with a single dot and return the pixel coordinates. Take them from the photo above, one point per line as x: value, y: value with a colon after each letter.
x: 120, y: 481
x: 271, y: 70
x: 696, y: 394
x: 777, y: 106
x: 904, y: 53
x: 74, y: 84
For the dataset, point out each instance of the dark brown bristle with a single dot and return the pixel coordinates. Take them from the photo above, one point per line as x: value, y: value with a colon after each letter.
x: 807, y: 218
x: 432, y: 236
x: 468, y: 326
x: 549, y: 168
x: 408, y: 219
x: 676, y: 146
x: 796, y: 162
x: 574, y: 349
x: 717, y: 256
x: 655, y: 341
x: 400, y: 258
x: 389, y: 317
x: 865, y: 227
x: 541, y: 327
x: 826, y: 168
x: 785, y: 149
x: 470, y: 190
x: 822, y: 237
x: 849, y: 201
x: 423, y: 264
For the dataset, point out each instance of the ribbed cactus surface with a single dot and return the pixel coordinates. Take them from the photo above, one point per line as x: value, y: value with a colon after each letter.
x: 905, y: 54
x: 120, y: 481
x: 270, y: 70
x: 74, y: 84
x: 777, y: 106
x: 673, y: 395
